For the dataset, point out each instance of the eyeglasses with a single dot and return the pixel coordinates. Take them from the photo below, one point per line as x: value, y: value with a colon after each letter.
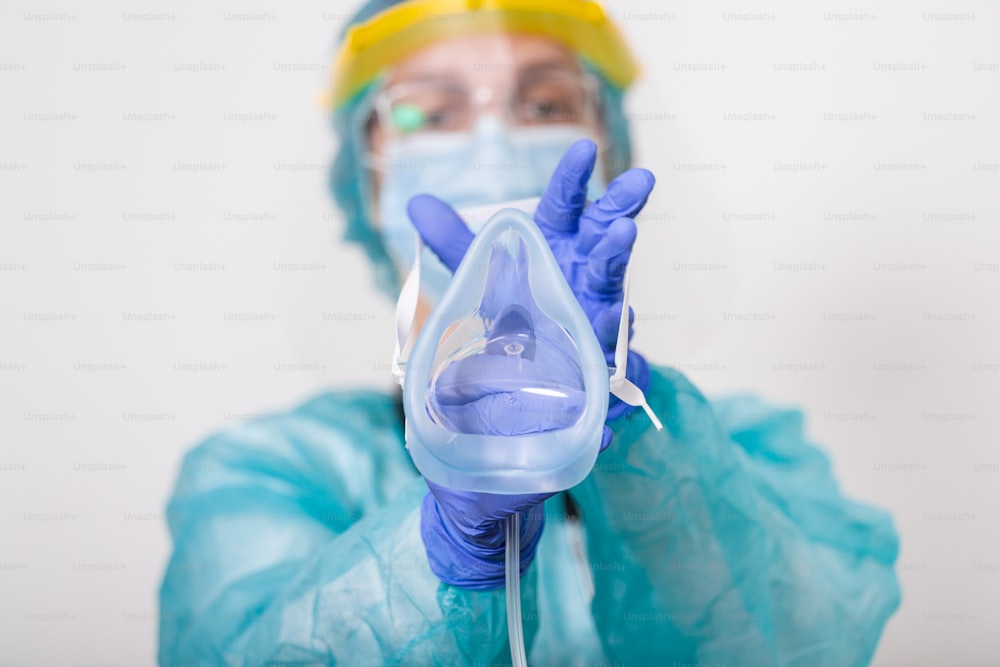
x: 444, y: 105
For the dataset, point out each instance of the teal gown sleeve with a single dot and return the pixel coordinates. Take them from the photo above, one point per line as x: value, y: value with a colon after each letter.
x: 296, y: 541
x: 723, y: 540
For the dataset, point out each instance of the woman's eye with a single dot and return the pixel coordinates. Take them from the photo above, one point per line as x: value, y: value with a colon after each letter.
x: 438, y: 119
x: 549, y: 111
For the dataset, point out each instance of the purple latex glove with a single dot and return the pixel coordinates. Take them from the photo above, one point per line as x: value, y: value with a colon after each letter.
x: 463, y: 532
x: 591, y: 243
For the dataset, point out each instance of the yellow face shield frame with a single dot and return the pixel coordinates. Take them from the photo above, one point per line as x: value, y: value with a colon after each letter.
x: 391, y: 36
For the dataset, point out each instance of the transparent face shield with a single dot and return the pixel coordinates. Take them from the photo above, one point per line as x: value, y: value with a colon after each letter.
x: 387, y: 38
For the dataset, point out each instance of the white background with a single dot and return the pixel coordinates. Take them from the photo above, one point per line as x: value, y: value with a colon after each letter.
x: 873, y: 263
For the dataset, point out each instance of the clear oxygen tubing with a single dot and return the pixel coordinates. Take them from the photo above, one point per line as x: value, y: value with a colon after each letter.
x: 405, y: 313
x: 515, y: 631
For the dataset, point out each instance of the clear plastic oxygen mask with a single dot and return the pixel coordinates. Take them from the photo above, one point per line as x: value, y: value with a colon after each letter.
x: 506, y: 389
x: 504, y: 365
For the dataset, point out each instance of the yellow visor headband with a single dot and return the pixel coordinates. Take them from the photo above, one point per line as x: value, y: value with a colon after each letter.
x: 390, y: 36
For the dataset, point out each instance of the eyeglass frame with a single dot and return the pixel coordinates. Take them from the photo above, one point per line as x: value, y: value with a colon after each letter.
x: 481, y: 96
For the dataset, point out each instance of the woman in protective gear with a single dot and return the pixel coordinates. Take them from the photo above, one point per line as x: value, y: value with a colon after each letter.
x: 310, y: 538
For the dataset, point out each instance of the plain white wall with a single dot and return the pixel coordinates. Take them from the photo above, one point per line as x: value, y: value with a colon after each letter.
x: 831, y: 169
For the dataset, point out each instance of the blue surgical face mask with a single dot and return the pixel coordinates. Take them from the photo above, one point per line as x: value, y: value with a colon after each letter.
x: 491, y: 165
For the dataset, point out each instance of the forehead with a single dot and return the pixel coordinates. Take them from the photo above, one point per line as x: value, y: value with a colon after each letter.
x: 490, y: 58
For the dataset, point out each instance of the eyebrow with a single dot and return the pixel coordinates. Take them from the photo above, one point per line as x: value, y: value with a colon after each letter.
x: 550, y: 65
x: 444, y: 77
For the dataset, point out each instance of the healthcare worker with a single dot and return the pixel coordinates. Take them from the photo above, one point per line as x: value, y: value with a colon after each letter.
x: 309, y: 537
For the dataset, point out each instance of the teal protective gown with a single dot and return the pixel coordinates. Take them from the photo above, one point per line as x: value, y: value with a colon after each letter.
x: 721, y: 540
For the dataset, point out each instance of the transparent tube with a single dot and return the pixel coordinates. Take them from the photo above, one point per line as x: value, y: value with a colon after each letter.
x: 515, y: 631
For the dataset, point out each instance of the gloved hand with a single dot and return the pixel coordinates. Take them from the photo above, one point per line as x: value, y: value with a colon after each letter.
x: 591, y: 243
x: 463, y: 532
x: 485, y: 393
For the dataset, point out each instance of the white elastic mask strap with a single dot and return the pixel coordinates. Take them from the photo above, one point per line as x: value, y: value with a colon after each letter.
x: 406, y: 313
x: 622, y: 387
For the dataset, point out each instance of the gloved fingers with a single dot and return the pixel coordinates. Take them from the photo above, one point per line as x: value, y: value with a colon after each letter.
x: 441, y: 228
x: 606, y: 325
x: 480, y: 375
x: 515, y: 413
x: 565, y: 196
x: 625, y: 198
x: 606, y: 438
x: 471, y: 509
x: 608, y: 260
x: 471, y: 521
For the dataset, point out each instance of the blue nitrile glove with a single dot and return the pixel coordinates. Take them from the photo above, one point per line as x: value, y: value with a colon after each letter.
x: 485, y: 393
x: 463, y: 532
x: 591, y: 243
